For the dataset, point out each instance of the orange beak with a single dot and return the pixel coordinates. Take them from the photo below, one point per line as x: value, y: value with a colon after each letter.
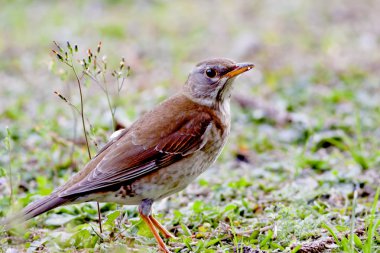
x: 239, y: 68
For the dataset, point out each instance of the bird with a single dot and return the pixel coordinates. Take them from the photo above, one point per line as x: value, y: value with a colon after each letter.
x: 160, y: 153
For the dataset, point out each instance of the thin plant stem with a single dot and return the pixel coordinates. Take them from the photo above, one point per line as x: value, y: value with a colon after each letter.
x: 9, y: 148
x: 85, y: 134
x: 63, y: 57
x: 352, y: 229
x: 82, y: 110
x: 105, y: 90
x: 112, y: 109
x: 99, y: 217
x: 74, y: 136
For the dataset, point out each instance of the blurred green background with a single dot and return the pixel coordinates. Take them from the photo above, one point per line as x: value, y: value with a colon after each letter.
x: 305, y: 127
x: 306, y: 44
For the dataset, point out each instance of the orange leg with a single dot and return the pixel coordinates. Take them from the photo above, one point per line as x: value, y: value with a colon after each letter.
x: 145, y: 210
x: 162, y: 229
x: 159, y: 240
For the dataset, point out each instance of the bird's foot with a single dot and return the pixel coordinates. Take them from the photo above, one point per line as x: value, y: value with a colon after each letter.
x: 145, y: 214
x: 161, y: 228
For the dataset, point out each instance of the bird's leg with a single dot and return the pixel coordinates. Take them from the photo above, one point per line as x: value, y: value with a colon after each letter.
x: 162, y: 229
x: 145, y: 209
x: 160, y: 242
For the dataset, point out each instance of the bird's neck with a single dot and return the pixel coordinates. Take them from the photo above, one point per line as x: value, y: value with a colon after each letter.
x: 221, y: 107
x: 224, y: 107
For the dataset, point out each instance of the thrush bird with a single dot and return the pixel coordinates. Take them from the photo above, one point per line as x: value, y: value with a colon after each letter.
x: 161, y: 153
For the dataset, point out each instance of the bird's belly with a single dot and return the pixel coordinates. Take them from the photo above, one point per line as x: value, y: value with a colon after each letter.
x: 165, y: 181
x: 175, y: 177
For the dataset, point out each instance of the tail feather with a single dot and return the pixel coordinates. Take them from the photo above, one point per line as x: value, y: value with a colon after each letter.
x: 34, y: 209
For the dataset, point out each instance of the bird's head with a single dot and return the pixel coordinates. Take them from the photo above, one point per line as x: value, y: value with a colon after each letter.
x: 210, y: 82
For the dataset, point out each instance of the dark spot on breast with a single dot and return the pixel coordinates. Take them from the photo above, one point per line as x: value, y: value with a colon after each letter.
x: 125, y: 191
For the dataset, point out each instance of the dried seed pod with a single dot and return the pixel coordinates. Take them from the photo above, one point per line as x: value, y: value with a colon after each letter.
x: 58, y: 46
x: 69, y: 47
x: 58, y: 55
x: 99, y: 46
x: 60, y: 96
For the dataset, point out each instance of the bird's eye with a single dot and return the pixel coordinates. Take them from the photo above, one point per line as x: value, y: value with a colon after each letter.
x: 211, y: 73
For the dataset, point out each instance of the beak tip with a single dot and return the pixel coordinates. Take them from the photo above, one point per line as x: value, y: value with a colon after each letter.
x: 247, y: 65
x: 239, y: 69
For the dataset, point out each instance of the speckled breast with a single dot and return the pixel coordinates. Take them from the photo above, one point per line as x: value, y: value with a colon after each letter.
x: 174, y: 178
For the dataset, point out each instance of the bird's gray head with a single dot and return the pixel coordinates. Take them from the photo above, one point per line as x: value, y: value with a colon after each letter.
x: 210, y: 82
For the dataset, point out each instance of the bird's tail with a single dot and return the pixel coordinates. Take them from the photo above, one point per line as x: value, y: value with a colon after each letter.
x: 34, y: 209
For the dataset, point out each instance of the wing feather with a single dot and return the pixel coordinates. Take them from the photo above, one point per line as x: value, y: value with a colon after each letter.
x: 127, y: 161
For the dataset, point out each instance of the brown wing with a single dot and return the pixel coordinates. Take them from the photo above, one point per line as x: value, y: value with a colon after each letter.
x: 130, y: 158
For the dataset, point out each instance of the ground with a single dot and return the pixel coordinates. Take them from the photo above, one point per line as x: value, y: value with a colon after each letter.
x: 301, y: 168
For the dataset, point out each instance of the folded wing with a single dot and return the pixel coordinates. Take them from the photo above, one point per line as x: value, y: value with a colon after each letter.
x: 134, y: 155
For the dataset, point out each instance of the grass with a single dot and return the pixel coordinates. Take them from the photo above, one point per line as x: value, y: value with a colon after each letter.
x: 300, y: 172
x: 352, y: 242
